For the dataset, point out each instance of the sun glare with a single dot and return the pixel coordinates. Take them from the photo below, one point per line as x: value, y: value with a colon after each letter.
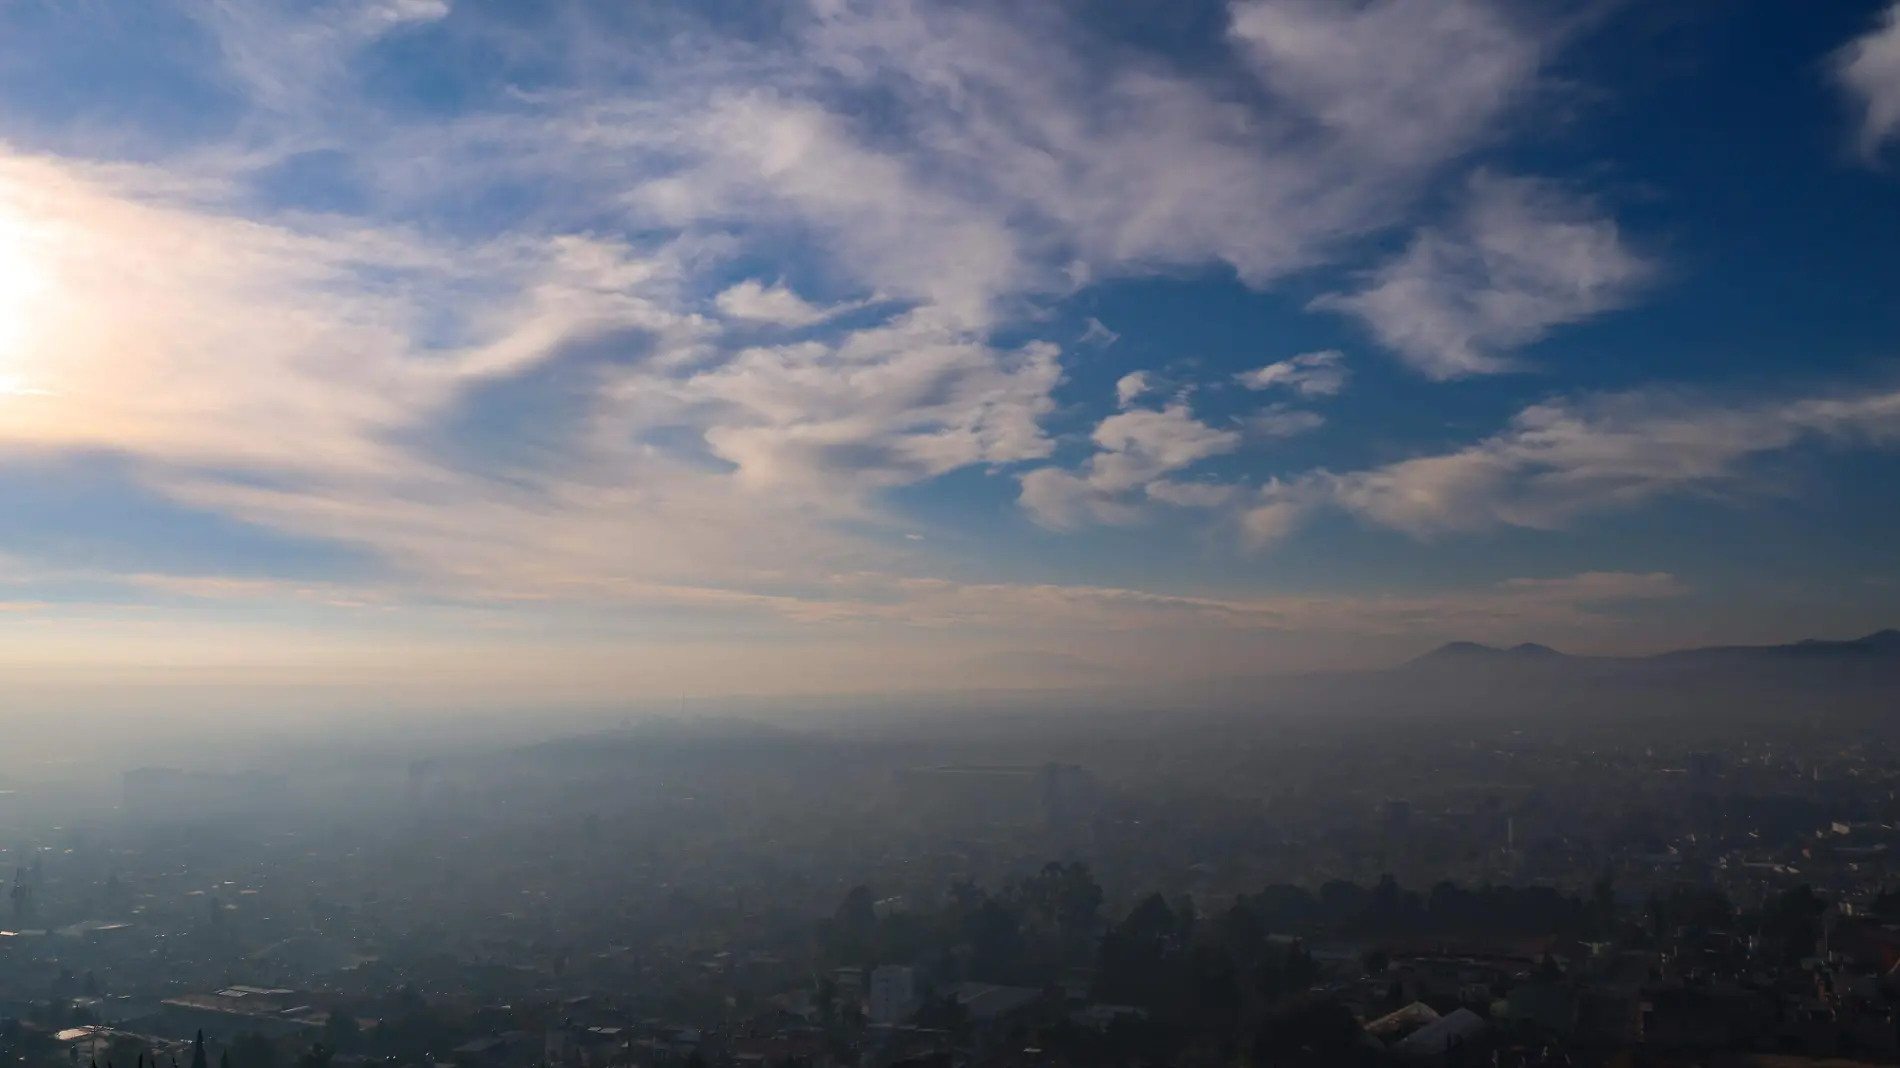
x: 23, y: 286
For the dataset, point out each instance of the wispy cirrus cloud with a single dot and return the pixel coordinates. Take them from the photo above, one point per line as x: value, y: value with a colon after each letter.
x: 1405, y: 82
x: 1131, y: 387
x: 1310, y: 374
x: 753, y: 301
x: 1021, y: 154
x: 286, y: 57
x: 1134, y: 449
x: 1095, y: 333
x: 1522, y: 258
x: 271, y: 345
x: 537, y: 359
x: 1560, y: 461
x: 1868, y: 68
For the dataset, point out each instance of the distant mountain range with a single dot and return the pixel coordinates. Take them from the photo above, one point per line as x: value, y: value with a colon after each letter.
x: 1848, y: 687
x: 1879, y: 646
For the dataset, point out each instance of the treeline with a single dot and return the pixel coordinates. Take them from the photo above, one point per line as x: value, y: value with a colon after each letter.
x: 1034, y: 928
x: 1215, y: 976
x: 1241, y: 979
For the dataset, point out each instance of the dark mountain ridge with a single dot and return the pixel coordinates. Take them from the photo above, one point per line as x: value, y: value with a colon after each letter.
x: 1880, y: 645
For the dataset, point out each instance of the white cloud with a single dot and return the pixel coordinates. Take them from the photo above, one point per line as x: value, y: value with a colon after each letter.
x: 1097, y: 334
x: 1310, y: 374
x: 764, y: 158
x: 1603, y: 586
x: 1559, y: 461
x: 1869, y: 70
x: 1134, y: 449
x: 1521, y: 259
x: 253, y: 345
x: 376, y: 384
x: 889, y: 405
x: 1574, y: 603
x: 290, y: 56
x: 1191, y: 494
x: 1131, y: 387
x: 1269, y: 522
x: 1406, y: 82
x: 1023, y: 155
x: 277, y: 373
x: 1280, y: 422
x: 1156, y: 441
x: 754, y: 302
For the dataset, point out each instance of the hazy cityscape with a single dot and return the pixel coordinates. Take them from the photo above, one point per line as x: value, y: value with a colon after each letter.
x: 949, y: 533
x: 1025, y: 888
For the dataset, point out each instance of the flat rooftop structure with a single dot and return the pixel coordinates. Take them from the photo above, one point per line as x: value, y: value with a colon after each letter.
x: 987, y: 1001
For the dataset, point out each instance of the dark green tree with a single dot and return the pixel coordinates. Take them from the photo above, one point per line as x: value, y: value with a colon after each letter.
x: 854, y: 927
x: 125, y: 1049
x: 1286, y: 971
x: 341, y: 1032
x: 944, y: 1013
x: 317, y: 1056
x: 1791, y: 924
x: 1133, y: 966
x: 1214, y: 995
x: 252, y: 1050
x: 827, y: 999
x: 1321, y: 1034
x: 1603, y: 906
x: 995, y: 938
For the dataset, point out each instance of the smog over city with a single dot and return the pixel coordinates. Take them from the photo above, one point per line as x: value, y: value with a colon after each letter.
x: 949, y: 533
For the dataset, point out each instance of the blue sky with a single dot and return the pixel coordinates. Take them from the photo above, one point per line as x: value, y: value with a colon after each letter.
x: 802, y: 345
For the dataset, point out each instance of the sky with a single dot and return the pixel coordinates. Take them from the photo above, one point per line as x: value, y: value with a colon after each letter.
x: 588, y: 350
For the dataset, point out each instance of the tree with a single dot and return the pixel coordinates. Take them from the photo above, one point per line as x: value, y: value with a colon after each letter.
x: 1791, y: 924
x: 1133, y: 965
x: 854, y: 926
x: 995, y: 939
x: 1214, y: 992
x: 1151, y: 922
x: 1186, y: 915
x: 198, y: 1058
x: 1062, y: 897
x: 946, y: 1014
x: 124, y: 1049
x: 341, y: 1032
x: 1603, y: 905
x: 1310, y: 1034
x: 827, y: 1000
x: 252, y: 1050
x: 1285, y: 972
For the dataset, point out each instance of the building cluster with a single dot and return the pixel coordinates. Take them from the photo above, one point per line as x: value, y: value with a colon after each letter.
x: 1496, y: 900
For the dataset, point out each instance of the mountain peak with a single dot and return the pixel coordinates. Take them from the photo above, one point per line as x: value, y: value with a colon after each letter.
x: 1450, y: 650
x: 1472, y: 650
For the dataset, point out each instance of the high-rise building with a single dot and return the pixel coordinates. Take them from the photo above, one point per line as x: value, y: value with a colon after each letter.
x: 893, y: 994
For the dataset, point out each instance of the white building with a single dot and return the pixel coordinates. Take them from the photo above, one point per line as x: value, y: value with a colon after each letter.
x: 893, y: 994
